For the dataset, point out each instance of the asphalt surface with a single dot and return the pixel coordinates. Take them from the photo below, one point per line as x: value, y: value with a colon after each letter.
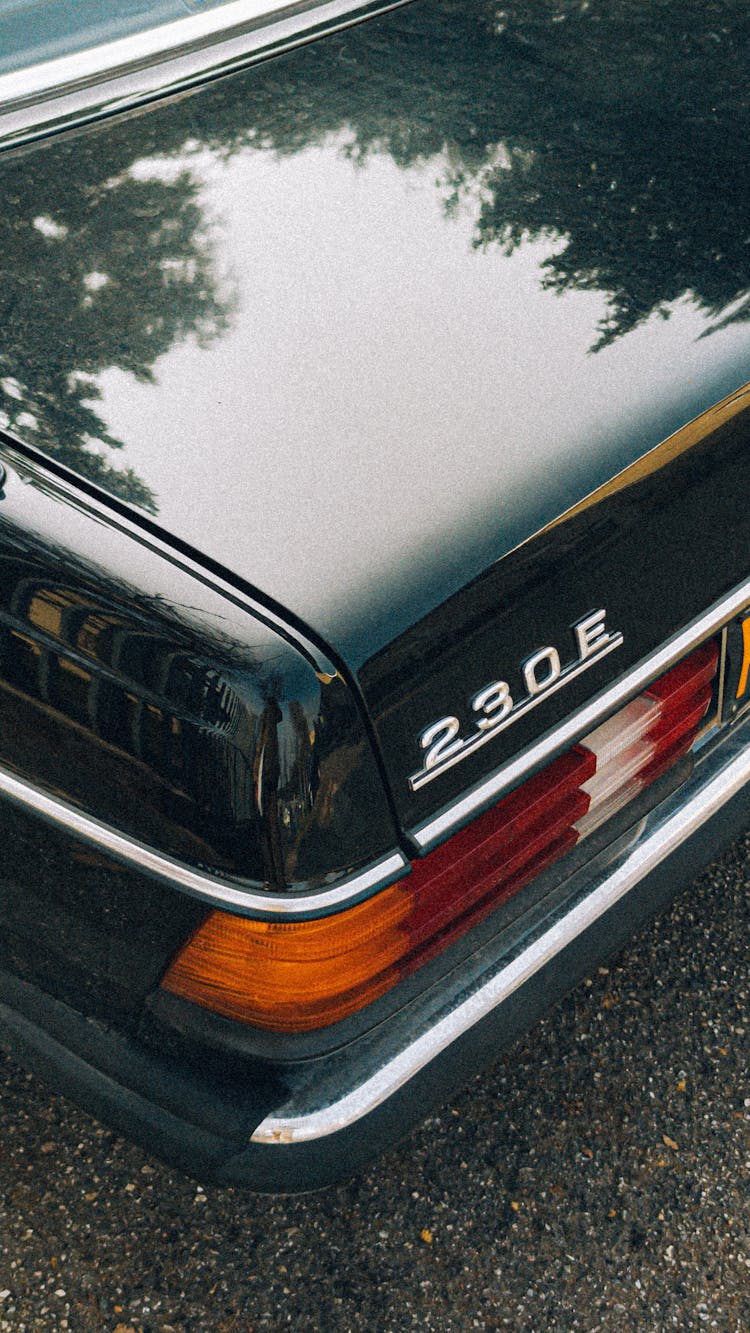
x: 596, y: 1179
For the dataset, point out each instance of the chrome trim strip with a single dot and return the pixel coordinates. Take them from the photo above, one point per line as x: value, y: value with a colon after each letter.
x: 210, y: 888
x: 525, y: 706
x: 166, y: 59
x: 664, y: 832
x: 510, y: 774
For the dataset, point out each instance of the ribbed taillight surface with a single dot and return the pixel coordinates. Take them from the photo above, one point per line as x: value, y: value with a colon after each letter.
x: 298, y: 975
x: 638, y: 744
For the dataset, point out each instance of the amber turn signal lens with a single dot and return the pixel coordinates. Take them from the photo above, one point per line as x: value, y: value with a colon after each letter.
x: 293, y: 976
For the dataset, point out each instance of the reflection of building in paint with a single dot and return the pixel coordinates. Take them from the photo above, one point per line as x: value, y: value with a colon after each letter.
x: 285, y: 775
x: 300, y: 774
x: 190, y: 745
x: 133, y: 688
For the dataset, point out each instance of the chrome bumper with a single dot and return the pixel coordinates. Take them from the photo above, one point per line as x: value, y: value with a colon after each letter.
x: 720, y: 774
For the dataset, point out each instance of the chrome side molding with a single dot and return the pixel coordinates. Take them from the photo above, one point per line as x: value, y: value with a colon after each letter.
x: 243, y: 899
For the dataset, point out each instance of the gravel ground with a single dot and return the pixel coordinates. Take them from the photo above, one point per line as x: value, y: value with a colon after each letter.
x: 596, y: 1179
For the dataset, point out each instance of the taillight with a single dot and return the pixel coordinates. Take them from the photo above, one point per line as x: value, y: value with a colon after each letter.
x: 638, y: 744
x: 298, y: 975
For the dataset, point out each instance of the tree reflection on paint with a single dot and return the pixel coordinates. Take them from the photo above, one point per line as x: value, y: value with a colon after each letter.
x: 611, y: 129
x: 100, y: 265
x: 617, y: 129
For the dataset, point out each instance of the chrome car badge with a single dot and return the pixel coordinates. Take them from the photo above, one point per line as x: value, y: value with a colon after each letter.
x: 497, y: 709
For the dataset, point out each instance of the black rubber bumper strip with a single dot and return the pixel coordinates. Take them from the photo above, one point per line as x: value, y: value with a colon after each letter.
x: 193, y: 1117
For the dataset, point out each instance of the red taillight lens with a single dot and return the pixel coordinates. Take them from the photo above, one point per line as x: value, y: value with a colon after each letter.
x: 294, y: 976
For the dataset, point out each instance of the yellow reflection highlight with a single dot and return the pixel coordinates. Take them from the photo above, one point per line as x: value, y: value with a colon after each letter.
x: 742, y: 682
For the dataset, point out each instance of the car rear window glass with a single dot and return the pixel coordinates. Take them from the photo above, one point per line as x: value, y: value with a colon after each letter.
x: 32, y: 31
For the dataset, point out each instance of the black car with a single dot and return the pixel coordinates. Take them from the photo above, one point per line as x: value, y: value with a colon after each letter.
x: 375, y: 546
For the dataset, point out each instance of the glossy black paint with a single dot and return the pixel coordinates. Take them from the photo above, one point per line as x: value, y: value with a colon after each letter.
x: 358, y: 322
x: 82, y: 928
x: 169, y: 710
x: 655, y: 548
x: 353, y: 330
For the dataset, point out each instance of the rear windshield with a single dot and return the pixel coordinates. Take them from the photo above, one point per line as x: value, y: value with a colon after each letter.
x: 35, y: 30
